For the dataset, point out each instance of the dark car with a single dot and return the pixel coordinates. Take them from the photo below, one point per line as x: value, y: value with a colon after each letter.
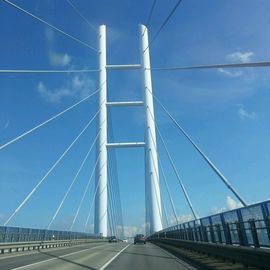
x: 139, y: 238
x: 112, y: 239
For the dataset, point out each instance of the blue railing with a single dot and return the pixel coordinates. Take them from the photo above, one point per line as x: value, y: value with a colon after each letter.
x: 246, y: 226
x: 17, y: 234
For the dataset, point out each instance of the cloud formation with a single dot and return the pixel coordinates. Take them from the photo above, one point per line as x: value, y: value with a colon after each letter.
x: 58, y: 59
x: 244, y: 114
x: 181, y: 219
x: 232, y: 204
x: 55, y: 58
x: 232, y: 74
x: 243, y: 57
x: 78, y: 86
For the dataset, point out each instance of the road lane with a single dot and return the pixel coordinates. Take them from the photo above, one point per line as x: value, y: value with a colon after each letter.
x: 147, y: 257
x: 88, y: 258
x: 14, y: 260
x: 108, y: 256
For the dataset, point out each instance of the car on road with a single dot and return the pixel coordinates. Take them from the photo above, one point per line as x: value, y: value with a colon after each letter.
x: 112, y: 239
x: 139, y: 238
x: 125, y: 240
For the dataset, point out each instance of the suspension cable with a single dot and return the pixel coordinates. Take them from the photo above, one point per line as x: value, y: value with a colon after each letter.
x: 50, y: 170
x: 115, y: 219
x: 93, y: 199
x: 85, y: 191
x: 30, y: 71
x: 73, y: 181
x: 110, y: 220
x: 164, y: 23
x: 174, y: 168
x: 47, y: 121
x: 112, y: 205
x: 214, y: 66
x: 50, y: 25
x: 114, y: 191
x: 80, y: 14
x: 155, y: 188
x: 150, y: 15
x: 168, y: 191
x: 165, y: 211
x: 209, y: 162
x: 165, y: 180
x: 114, y: 175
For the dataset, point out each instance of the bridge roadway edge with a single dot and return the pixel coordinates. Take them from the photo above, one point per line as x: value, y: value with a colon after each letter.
x: 246, y: 256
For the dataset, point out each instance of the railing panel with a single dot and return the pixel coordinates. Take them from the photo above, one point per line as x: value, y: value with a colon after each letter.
x: 231, y: 219
x: 255, y: 213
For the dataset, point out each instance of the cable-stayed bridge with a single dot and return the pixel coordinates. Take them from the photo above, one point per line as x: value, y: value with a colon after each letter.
x: 241, y: 236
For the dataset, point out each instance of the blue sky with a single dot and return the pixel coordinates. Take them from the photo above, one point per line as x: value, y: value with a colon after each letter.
x: 225, y: 111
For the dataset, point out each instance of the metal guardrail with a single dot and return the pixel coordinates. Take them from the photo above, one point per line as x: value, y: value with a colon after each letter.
x: 241, y: 235
x: 252, y: 233
x: 248, y: 256
x: 19, y: 234
x: 36, y: 245
x: 246, y: 226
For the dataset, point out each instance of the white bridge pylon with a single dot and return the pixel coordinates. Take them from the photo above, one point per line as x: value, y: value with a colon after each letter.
x: 152, y: 189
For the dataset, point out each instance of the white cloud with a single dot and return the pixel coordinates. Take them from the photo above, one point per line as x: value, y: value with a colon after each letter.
x: 233, y: 74
x: 244, y: 114
x: 58, y: 59
x: 49, y: 35
x: 53, y: 96
x: 78, y: 86
x: 217, y: 210
x: 130, y: 231
x: 55, y: 58
x: 232, y: 204
x: 243, y: 57
x: 181, y: 219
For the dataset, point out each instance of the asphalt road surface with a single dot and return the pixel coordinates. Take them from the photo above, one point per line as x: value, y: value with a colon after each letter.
x: 109, y: 256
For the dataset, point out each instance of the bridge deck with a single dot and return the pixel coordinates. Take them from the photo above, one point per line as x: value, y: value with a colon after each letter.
x: 95, y: 256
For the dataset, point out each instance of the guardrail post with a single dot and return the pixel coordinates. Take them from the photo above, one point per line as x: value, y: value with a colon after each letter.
x: 212, y: 234
x: 219, y: 233
x: 267, y: 225
x: 200, y: 233
x: 266, y: 216
x: 186, y: 234
x: 195, y: 230
x: 191, y: 236
x: 254, y: 233
x: 240, y: 233
x: 227, y: 233
x: 204, y: 233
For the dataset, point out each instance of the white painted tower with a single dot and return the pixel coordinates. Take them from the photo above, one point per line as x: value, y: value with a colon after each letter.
x: 152, y: 190
x: 101, y: 152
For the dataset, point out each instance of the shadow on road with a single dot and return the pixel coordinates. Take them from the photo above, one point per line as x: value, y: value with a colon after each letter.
x: 66, y: 260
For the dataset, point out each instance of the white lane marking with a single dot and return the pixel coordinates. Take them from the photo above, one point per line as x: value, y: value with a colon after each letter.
x: 36, y: 251
x: 183, y: 263
x: 59, y: 257
x: 113, y: 258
